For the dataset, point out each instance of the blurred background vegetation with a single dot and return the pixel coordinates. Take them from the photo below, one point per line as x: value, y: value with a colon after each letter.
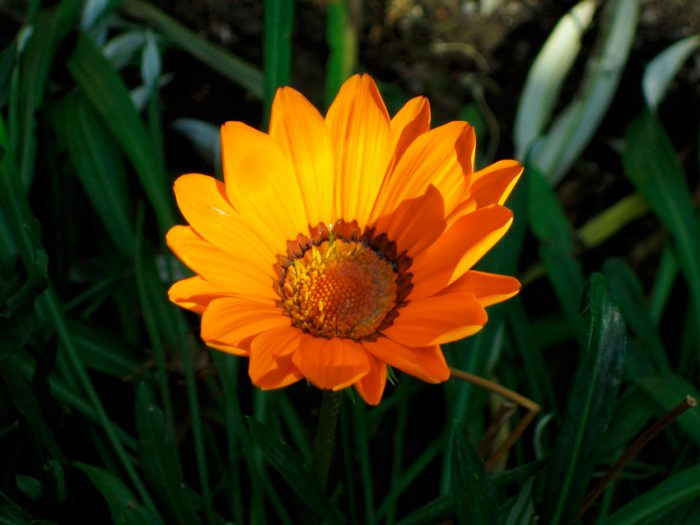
x: 110, y: 406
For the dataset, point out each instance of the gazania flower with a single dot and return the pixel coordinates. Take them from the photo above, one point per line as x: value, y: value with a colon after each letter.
x: 337, y: 246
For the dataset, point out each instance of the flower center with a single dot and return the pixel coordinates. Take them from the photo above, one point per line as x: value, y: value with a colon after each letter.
x: 342, y: 283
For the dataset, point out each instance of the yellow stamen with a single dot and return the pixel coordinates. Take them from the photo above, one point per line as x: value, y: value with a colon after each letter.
x: 339, y: 288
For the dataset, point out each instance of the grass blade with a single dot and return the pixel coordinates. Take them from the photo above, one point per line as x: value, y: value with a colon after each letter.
x: 217, y: 58
x: 606, y: 224
x: 279, y: 21
x: 99, y: 166
x: 107, y: 93
x: 49, y: 29
x: 341, y: 37
x: 160, y: 461
x: 627, y: 291
x: 290, y: 465
x: 49, y: 308
x: 652, y: 166
x: 653, y: 505
x: 27, y: 404
x: 123, y: 505
x: 475, y: 496
x: 437, y: 511
x: 661, y: 71
x: 573, y: 129
x: 588, y: 409
x: 204, y: 136
x: 667, y: 391
x: 103, y: 352
x: 551, y: 226
x: 547, y: 74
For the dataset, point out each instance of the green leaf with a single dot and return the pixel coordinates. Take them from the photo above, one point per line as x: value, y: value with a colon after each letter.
x: 94, y: 12
x: 123, y: 48
x: 29, y: 486
x: 7, y: 64
x: 18, y: 293
x: 341, y: 37
x: 547, y: 74
x: 217, y: 58
x: 547, y: 219
x: 160, y: 461
x: 204, y: 136
x: 588, y: 409
x: 629, y: 294
x: 104, y: 352
x: 650, y: 507
x: 565, y: 272
x: 150, y: 64
x: 633, y: 411
x: 99, y: 166
x: 49, y: 308
x: 27, y: 404
x: 54, y: 480
x: 437, y: 511
x: 551, y: 226
x: 443, y: 507
x: 277, y: 49
x: 49, y: 29
x: 290, y: 465
x: 653, y: 167
x: 108, y: 95
x: 123, y: 505
x: 523, y: 341
x: 523, y: 509
x: 666, y: 273
x: 573, y: 129
x: 661, y: 71
x: 518, y: 475
x: 607, y: 223
x: 475, y: 495
x: 12, y: 514
x: 669, y: 390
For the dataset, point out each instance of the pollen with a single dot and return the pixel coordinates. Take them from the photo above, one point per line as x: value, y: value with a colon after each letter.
x: 342, y: 282
x: 340, y: 288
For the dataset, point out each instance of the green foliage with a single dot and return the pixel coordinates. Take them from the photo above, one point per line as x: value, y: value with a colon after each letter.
x: 110, y: 407
x: 475, y: 496
x: 588, y: 409
x: 123, y: 505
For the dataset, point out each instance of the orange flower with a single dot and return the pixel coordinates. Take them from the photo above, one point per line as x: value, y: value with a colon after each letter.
x: 338, y: 246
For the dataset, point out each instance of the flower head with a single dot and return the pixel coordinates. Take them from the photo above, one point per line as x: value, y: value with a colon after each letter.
x: 337, y: 246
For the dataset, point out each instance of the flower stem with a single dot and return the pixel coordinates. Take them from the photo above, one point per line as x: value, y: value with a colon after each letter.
x: 325, y: 434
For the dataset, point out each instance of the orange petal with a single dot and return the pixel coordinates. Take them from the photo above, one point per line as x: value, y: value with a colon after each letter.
x: 488, y: 288
x: 371, y: 387
x: 301, y: 133
x: 439, y: 319
x: 493, y: 184
x: 426, y: 363
x: 233, y: 321
x: 231, y: 274
x: 261, y: 185
x: 442, y: 157
x: 412, y: 120
x: 458, y: 249
x: 359, y: 126
x: 241, y: 350
x: 271, y: 358
x: 331, y: 364
x: 416, y: 223
x: 203, y: 202
x: 193, y: 293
